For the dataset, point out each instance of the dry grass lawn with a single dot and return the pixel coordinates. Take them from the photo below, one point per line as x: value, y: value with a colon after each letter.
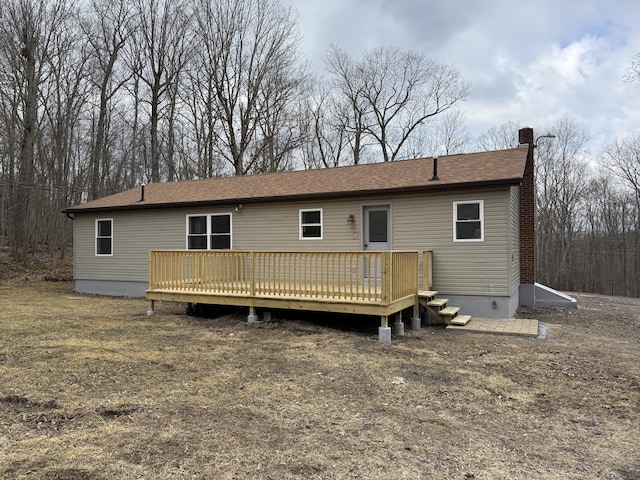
x: 92, y: 388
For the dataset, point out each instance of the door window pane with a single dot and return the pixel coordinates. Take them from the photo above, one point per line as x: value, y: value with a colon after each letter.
x: 378, y: 226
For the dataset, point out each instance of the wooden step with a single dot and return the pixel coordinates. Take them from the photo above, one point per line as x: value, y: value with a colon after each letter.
x: 437, y: 303
x: 460, y: 320
x: 427, y: 294
x: 449, y: 313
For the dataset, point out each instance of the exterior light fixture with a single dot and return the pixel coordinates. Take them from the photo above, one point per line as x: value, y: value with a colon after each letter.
x: 548, y: 135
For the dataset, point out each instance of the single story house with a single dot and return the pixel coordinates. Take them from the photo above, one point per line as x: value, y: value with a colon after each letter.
x: 474, y: 212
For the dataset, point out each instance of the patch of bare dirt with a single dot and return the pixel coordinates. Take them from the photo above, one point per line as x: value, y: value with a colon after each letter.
x: 43, y: 264
x: 91, y: 388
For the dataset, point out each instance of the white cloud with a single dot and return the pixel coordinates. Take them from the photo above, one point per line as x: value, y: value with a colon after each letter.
x: 529, y: 63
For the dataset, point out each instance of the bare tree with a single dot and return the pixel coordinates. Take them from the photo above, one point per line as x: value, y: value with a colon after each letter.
x: 446, y: 135
x: 65, y: 102
x: 500, y: 137
x: 164, y: 46
x: 250, y: 48
x: 350, y: 109
x: 623, y: 157
x: 322, y: 118
x: 29, y: 28
x: 451, y: 134
x: 623, y: 160
x: 561, y: 173
x: 279, y: 104
x: 393, y: 93
x: 633, y: 73
x: 108, y: 25
x: 586, y: 220
x: 198, y: 97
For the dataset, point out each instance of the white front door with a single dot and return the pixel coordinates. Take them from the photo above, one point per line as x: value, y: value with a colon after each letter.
x: 377, y: 228
x: 376, y: 236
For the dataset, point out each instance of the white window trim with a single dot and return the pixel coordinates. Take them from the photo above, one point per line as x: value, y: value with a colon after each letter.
x: 301, y: 225
x: 455, y: 221
x: 208, y: 232
x: 95, y: 242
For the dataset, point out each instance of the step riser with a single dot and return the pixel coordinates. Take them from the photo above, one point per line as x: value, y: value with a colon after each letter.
x: 439, y: 310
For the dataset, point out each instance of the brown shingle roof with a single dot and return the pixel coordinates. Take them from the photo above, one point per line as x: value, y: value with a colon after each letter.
x: 502, y: 167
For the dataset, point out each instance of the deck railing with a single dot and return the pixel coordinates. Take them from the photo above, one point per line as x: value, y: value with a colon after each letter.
x: 380, y: 276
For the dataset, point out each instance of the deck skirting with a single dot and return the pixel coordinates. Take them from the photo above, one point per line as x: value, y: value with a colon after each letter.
x: 361, y: 307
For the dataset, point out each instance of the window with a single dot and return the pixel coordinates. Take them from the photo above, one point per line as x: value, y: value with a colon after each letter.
x: 378, y: 225
x: 311, y: 224
x: 197, y: 232
x: 104, y: 236
x: 220, y: 237
x: 209, y: 231
x: 468, y: 221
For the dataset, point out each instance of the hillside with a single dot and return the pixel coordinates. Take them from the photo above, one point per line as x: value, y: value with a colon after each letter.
x: 41, y: 265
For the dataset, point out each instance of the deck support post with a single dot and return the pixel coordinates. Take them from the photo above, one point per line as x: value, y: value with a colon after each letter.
x: 151, y: 310
x: 384, y: 331
x: 416, y: 321
x: 252, y: 318
x: 398, y: 326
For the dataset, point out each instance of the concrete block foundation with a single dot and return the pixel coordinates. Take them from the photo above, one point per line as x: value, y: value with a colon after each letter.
x: 384, y: 335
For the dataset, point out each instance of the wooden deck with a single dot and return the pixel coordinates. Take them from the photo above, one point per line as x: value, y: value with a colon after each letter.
x: 372, y: 283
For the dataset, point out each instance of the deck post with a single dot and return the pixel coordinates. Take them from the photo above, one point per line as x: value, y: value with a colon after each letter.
x: 151, y: 310
x: 398, y: 326
x: 427, y: 270
x: 252, y: 285
x: 384, y: 331
x: 252, y: 318
x: 386, y: 278
x: 416, y: 321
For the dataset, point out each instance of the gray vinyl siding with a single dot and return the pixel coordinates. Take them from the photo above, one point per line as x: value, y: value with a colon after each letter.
x: 419, y: 222
x: 459, y: 268
x: 134, y: 234
x: 276, y: 227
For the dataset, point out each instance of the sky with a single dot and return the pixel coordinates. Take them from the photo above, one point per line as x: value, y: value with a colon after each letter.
x: 530, y: 62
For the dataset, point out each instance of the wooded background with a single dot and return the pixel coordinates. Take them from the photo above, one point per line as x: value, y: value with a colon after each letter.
x: 100, y: 97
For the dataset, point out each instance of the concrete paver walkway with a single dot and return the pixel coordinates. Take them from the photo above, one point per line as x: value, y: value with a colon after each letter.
x: 507, y: 326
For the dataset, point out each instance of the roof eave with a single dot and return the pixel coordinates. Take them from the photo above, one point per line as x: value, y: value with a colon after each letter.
x: 434, y: 188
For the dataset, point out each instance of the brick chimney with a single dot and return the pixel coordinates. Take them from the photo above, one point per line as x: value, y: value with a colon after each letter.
x: 527, y: 223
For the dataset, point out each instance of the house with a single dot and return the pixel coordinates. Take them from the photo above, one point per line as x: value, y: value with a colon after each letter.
x: 474, y: 212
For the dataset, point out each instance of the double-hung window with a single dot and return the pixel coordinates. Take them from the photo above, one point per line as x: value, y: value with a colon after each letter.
x: 209, y: 232
x: 468, y: 221
x: 311, y: 224
x: 104, y: 237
